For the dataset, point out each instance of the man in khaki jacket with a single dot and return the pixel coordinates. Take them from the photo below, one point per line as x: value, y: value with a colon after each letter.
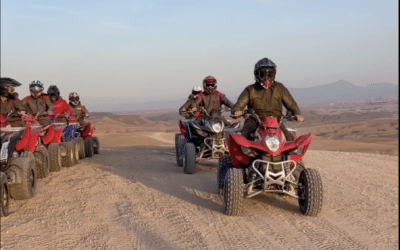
x: 266, y: 97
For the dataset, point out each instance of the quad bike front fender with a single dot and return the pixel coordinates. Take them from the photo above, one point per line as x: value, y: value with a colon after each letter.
x: 49, y: 135
x: 234, y: 142
x: 57, y: 136
x: 301, y: 142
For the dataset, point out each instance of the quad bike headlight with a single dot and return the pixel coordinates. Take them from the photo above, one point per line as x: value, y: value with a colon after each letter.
x: 298, y: 151
x: 272, y: 142
x: 217, y: 128
x: 248, y: 151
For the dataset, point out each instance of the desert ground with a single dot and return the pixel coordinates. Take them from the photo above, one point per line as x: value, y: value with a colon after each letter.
x: 133, y: 195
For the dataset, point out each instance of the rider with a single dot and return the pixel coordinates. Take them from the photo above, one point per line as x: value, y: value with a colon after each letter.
x: 60, y: 106
x: 10, y: 104
x: 38, y: 103
x: 78, y: 109
x: 266, y: 97
x: 211, y: 99
x: 189, y: 104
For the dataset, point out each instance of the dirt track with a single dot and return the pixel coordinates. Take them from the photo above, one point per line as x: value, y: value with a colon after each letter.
x: 135, y: 197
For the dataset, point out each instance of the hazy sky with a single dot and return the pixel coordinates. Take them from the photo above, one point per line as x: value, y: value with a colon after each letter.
x: 120, y: 51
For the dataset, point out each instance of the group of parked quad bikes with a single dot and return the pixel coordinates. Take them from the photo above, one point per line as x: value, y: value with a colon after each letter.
x: 31, y: 151
x: 264, y: 162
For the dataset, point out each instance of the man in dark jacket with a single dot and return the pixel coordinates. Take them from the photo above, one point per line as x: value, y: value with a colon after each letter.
x: 37, y: 103
x: 79, y: 110
x: 190, y: 103
x: 266, y: 97
x: 10, y: 104
x: 211, y: 99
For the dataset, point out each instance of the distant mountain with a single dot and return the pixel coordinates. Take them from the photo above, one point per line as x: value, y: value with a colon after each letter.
x: 343, y: 91
x: 340, y: 91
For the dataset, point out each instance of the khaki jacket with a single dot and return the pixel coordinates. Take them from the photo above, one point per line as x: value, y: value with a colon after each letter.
x: 267, y: 102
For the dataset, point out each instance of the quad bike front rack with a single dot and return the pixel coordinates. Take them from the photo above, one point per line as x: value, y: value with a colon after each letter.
x: 279, y: 178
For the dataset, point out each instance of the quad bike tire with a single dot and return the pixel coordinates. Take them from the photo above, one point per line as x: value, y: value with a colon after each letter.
x: 189, y: 154
x: 5, y: 196
x: 81, y: 143
x: 224, y: 163
x: 233, y: 192
x: 96, y: 145
x: 27, y: 188
x: 67, y: 159
x: 76, y: 149
x: 89, y: 149
x: 55, y: 157
x: 310, y: 192
x: 179, y: 143
x: 42, y: 160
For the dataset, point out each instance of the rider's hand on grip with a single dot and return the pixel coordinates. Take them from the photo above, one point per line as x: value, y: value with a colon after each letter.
x: 299, y: 118
x: 237, y: 114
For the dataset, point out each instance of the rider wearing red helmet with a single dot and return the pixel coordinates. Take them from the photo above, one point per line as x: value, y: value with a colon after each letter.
x: 79, y: 110
x: 210, y: 98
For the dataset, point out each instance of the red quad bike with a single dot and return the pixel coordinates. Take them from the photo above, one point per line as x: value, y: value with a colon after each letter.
x: 18, y: 168
x: 268, y: 164
x: 69, y: 144
x: 47, y: 138
x: 89, y: 144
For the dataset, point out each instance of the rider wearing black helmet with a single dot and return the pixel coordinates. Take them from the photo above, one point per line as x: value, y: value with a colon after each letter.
x: 38, y: 103
x: 190, y: 103
x: 266, y: 97
x: 9, y: 103
x: 9, y: 98
x: 60, y: 106
x: 78, y: 109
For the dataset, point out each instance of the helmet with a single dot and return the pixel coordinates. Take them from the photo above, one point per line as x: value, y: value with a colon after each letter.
x: 74, y: 98
x: 209, y: 84
x: 53, y: 92
x: 264, y: 72
x: 195, y: 91
x: 36, y: 88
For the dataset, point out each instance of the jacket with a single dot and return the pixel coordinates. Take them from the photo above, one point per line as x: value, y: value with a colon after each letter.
x: 37, y: 105
x: 266, y: 102
x: 213, y: 101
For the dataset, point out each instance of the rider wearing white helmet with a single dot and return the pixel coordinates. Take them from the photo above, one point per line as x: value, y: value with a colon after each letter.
x: 189, y: 104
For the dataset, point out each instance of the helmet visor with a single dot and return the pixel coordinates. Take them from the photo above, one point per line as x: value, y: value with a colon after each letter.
x: 266, y: 73
x: 53, y: 97
x: 36, y: 89
x: 74, y: 99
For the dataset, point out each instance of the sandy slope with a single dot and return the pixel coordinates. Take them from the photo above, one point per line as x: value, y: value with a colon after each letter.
x: 135, y: 197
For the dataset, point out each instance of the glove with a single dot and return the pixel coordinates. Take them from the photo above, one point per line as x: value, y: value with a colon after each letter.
x: 300, y: 118
x: 86, y: 115
x: 238, y: 113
